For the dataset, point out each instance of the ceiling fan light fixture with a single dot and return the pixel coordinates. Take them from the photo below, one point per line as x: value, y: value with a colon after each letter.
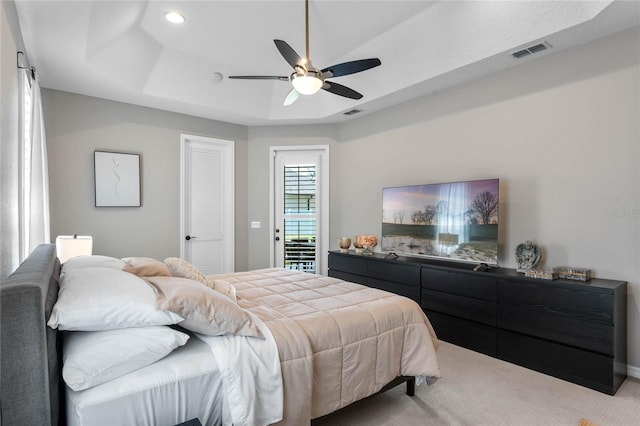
x: 306, y: 83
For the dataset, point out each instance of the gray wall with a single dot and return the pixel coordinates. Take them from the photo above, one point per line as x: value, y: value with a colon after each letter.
x: 10, y: 43
x: 561, y: 132
x: 77, y: 125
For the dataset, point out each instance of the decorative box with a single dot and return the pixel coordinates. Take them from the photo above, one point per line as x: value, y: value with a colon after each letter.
x: 569, y: 273
x: 543, y: 275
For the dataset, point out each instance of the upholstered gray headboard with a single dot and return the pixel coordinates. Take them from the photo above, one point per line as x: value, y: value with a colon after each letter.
x: 30, y: 362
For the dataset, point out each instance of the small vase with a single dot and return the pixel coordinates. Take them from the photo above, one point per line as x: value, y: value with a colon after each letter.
x: 344, y: 244
x: 357, y: 244
x: 367, y: 250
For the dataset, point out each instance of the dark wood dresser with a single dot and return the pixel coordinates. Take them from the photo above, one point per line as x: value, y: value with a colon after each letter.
x: 573, y: 330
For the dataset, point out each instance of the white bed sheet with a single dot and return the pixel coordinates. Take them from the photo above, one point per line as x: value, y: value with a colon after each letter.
x: 250, y: 370
x: 184, y: 385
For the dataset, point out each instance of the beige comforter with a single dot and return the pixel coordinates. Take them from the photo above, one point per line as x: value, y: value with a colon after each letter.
x: 338, y: 341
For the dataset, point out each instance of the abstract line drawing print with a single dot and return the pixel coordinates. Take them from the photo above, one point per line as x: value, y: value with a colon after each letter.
x: 117, y: 179
x: 117, y: 176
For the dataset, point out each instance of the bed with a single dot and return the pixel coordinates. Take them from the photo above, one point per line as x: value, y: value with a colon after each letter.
x: 334, y: 343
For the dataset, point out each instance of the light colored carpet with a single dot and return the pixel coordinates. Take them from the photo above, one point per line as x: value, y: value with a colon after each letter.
x: 479, y: 390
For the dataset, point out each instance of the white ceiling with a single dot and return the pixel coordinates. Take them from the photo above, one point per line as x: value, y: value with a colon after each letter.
x: 126, y: 51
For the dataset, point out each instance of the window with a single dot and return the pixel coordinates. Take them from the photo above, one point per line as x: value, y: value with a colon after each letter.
x: 33, y: 203
x: 25, y: 162
x: 300, y: 217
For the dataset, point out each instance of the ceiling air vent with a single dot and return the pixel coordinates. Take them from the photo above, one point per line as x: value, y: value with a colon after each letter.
x: 353, y: 111
x: 531, y: 49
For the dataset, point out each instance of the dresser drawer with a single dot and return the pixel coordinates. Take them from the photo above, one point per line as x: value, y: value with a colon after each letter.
x: 569, y: 316
x: 556, y: 327
x: 410, y: 291
x: 470, y: 335
x: 402, y: 274
x: 459, y: 306
x: 462, y: 284
x: 349, y: 264
x: 586, y: 368
x: 571, y: 302
x: 359, y: 279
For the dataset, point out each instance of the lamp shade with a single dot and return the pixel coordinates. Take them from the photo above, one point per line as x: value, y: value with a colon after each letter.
x: 69, y: 246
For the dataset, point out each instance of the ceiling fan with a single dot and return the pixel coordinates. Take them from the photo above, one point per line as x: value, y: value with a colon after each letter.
x: 305, y: 78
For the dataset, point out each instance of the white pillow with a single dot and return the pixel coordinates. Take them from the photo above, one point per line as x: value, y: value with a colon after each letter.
x: 94, y: 357
x: 93, y: 261
x: 103, y: 299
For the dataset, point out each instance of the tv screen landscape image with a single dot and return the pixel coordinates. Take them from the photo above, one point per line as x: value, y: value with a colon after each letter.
x: 454, y: 221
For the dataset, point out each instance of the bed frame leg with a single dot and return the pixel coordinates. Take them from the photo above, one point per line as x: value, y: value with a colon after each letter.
x: 411, y: 386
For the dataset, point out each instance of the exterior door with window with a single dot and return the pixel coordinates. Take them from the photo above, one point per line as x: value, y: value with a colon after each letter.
x: 300, y: 208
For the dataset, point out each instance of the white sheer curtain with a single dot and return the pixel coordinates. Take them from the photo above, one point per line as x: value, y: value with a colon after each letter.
x: 39, y: 221
x: 34, y: 214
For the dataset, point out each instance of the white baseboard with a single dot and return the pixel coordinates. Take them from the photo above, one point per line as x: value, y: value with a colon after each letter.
x: 633, y: 371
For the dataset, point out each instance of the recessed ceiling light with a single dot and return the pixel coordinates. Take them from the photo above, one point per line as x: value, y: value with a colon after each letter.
x: 174, y: 17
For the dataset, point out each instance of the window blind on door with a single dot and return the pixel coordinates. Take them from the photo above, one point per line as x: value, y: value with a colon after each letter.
x: 300, y: 192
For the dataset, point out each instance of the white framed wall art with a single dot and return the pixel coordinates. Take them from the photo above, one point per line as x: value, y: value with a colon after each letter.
x: 117, y: 179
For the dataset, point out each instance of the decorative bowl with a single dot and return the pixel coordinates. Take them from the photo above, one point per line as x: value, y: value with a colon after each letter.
x: 367, y: 242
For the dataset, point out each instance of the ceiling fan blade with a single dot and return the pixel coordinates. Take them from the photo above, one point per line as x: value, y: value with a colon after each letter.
x: 339, y: 89
x: 259, y: 77
x: 288, y: 53
x: 351, y: 67
x: 291, y: 97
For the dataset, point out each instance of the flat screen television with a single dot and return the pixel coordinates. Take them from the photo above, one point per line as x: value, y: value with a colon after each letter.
x: 454, y: 221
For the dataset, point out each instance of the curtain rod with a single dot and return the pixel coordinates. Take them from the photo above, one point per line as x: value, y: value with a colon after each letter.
x: 30, y: 68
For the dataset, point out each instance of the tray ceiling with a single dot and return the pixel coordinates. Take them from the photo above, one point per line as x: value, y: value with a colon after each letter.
x: 126, y: 51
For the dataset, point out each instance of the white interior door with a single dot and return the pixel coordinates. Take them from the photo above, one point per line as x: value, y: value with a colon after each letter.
x: 300, y: 206
x: 207, y: 213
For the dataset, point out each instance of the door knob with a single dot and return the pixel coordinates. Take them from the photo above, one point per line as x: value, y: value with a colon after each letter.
x: 188, y: 237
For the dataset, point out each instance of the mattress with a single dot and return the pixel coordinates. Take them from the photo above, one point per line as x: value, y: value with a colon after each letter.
x: 184, y: 385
